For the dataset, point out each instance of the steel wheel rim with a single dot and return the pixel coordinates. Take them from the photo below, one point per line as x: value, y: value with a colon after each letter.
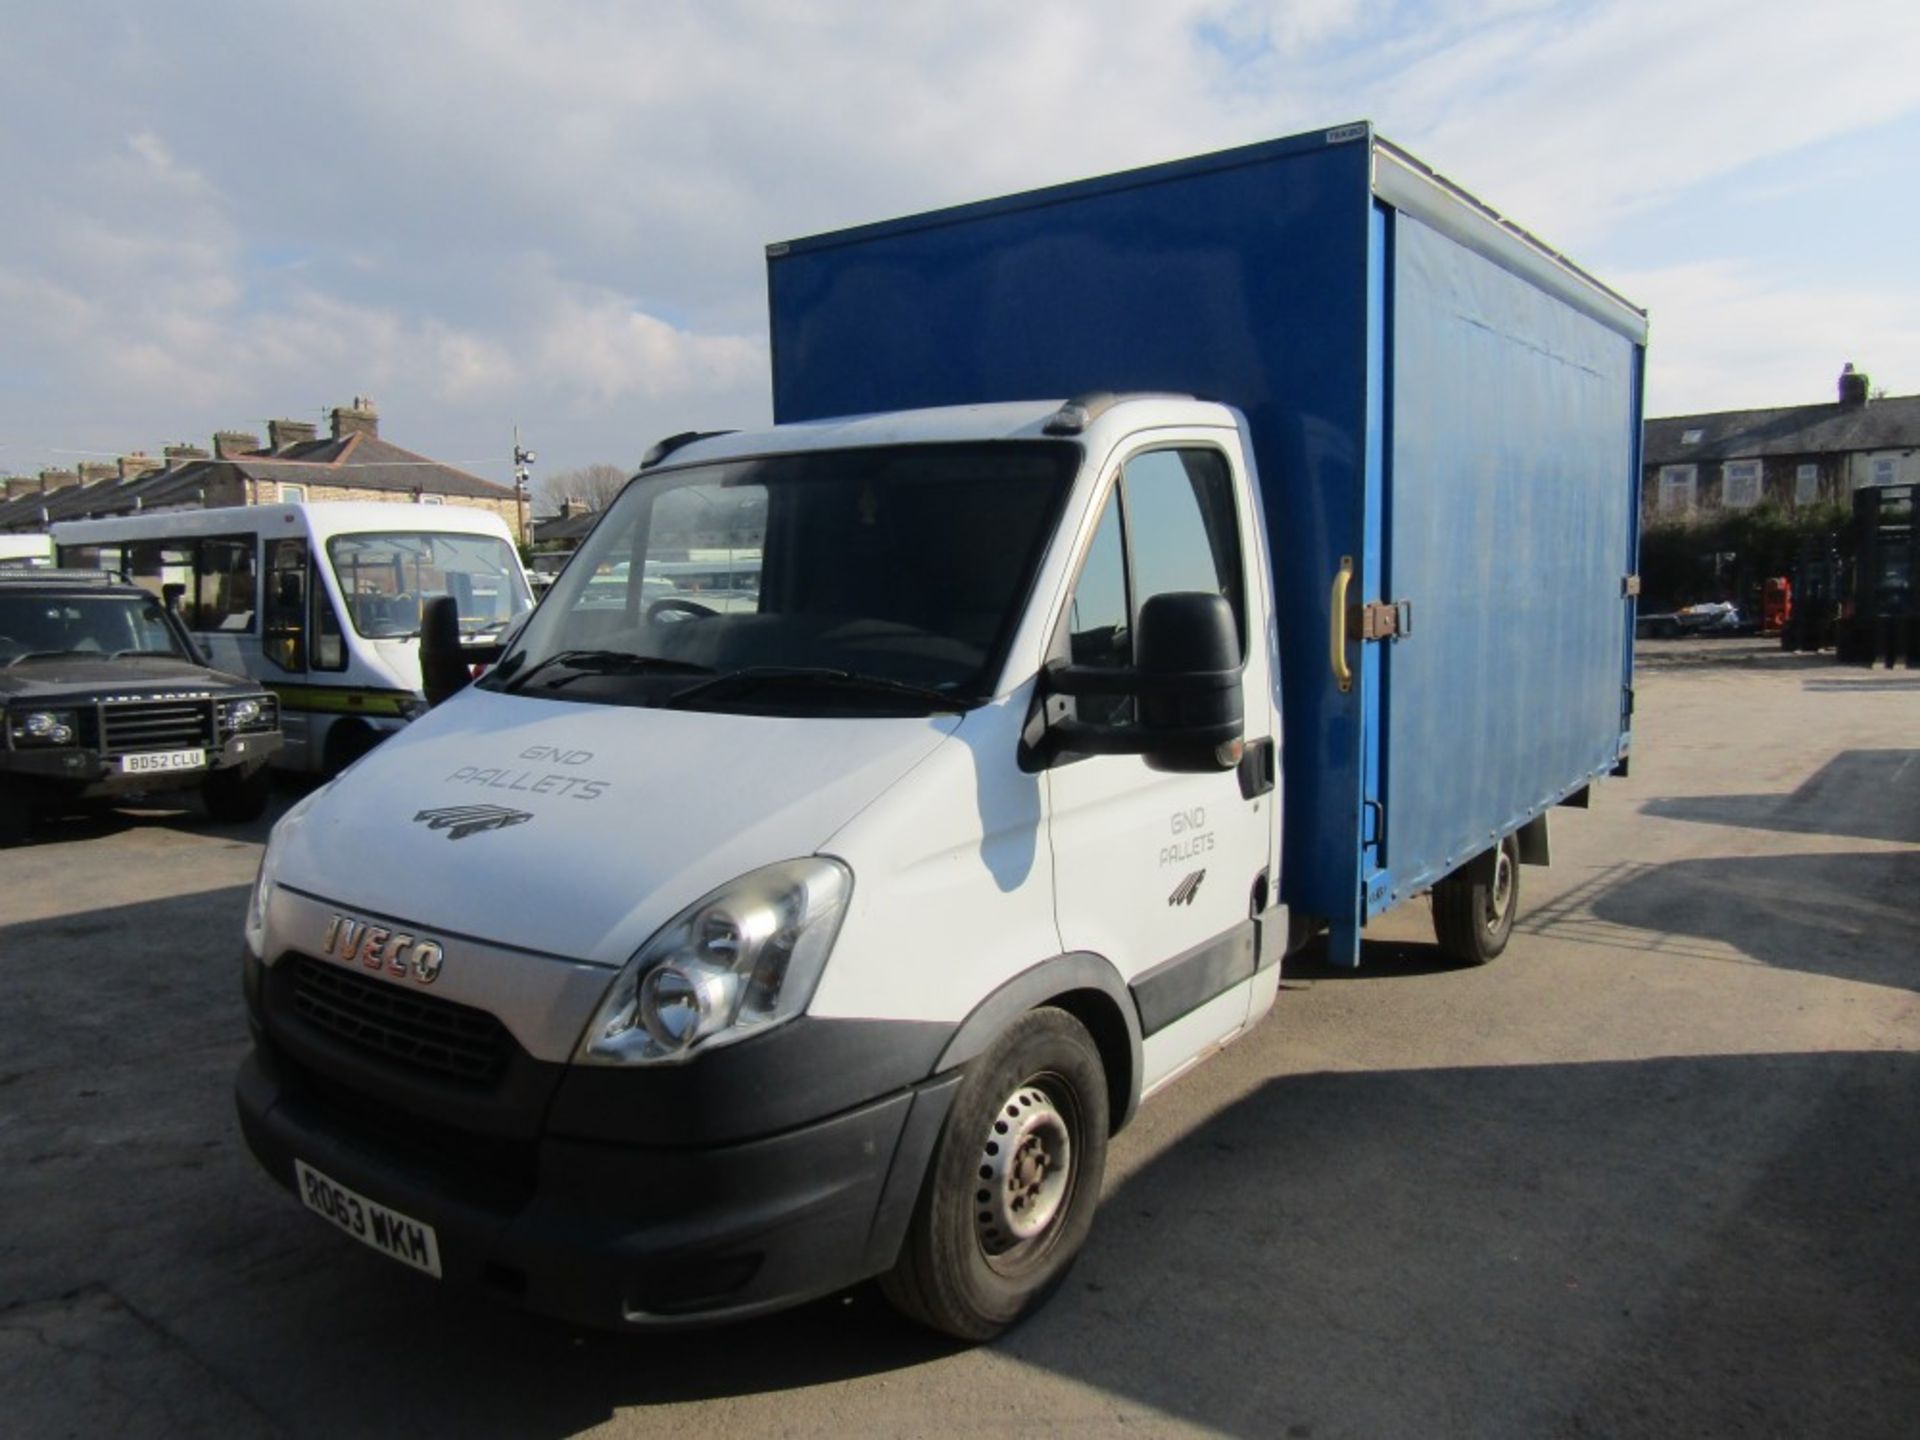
x: 1027, y: 1174
x: 1500, y: 893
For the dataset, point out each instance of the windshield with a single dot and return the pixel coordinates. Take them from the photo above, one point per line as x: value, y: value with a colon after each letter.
x: 385, y: 579
x: 33, y: 626
x: 847, y: 582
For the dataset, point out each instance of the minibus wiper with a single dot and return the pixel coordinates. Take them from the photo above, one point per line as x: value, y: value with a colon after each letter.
x: 604, y: 662
x: 755, y: 677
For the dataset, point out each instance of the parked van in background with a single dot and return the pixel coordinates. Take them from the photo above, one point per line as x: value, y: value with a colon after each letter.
x: 320, y: 602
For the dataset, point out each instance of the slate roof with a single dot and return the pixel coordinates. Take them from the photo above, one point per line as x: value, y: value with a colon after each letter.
x: 361, y: 460
x: 1888, y: 424
x: 564, y: 527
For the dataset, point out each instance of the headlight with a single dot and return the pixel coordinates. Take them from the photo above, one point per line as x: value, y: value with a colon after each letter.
x: 747, y: 956
x: 242, y: 713
x: 43, y: 727
x: 261, y: 894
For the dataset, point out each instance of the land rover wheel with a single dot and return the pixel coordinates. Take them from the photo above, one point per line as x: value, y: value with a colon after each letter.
x: 237, y: 795
x: 16, y: 818
x: 1013, y: 1184
x: 1474, y: 908
x: 347, y: 741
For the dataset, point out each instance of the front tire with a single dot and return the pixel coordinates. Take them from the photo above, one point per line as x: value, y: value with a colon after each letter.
x: 16, y: 818
x: 1473, y: 918
x: 1014, y: 1181
x: 237, y: 795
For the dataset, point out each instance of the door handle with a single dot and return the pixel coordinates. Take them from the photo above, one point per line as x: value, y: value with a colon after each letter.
x: 1337, y: 625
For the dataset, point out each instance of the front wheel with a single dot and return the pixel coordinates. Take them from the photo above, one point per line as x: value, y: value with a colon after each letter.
x: 237, y: 795
x: 1014, y: 1181
x: 16, y: 818
x: 1474, y: 908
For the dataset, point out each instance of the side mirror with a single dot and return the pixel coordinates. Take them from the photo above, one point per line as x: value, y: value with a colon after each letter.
x: 1185, y: 685
x: 443, y: 662
x: 170, y: 595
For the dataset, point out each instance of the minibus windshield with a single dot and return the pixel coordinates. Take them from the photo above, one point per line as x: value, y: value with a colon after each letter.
x: 99, y: 626
x: 386, y: 578
x: 870, y: 581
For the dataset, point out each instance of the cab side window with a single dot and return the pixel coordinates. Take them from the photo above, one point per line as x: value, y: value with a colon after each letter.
x: 1184, y: 532
x: 1169, y: 525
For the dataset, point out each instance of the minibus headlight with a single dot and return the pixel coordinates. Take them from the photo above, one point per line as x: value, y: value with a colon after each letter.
x: 745, y: 957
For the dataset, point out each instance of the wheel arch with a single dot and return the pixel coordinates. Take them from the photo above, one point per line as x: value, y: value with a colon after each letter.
x: 1088, y: 988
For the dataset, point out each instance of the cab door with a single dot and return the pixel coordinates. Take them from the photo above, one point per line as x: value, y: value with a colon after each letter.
x: 1159, y: 872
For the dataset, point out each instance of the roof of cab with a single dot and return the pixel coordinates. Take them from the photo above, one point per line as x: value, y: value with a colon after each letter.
x: 1013, y: 420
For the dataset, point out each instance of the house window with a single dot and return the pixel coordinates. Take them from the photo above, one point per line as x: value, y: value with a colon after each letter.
x: 1691, y: 437
x: 1885, y: 470
x: 1676, y: 489
x: 293, y: 494
x: 1806, y: 484
x: 1740, y: 484
x: 433, y: 500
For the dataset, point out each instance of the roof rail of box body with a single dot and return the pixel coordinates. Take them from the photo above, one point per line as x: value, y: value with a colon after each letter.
x: 1415, y: 188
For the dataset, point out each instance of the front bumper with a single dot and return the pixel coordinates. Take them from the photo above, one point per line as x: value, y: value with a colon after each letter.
x: 621, y: 1236
x: 87, y: 774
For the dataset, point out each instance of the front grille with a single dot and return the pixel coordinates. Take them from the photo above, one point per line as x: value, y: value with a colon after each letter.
x: 421, y: 1032
x: 133, y: 725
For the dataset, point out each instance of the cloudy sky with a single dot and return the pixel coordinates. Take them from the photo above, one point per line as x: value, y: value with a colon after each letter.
x: 552, y: 212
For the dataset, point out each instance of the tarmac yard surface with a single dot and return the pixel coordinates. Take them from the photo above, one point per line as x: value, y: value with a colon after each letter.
x: 1655, y: 1172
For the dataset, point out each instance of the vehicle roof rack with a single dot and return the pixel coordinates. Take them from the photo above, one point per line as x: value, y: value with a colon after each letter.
x: 46, y: 575
x: 663, y: 448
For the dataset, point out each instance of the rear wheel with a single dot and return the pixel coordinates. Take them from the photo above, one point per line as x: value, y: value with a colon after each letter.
x: 237, y: 795
x: 1013, y: 1184
x: 1474, y: 908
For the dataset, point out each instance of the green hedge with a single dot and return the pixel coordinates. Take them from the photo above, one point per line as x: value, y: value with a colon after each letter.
x: 1726, y: 554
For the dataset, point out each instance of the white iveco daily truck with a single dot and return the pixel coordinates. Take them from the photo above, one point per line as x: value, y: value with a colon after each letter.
x: 717, y: 951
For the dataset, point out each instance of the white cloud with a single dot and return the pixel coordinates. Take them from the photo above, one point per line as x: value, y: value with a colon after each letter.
x: 557, y: 210
x: 1728, y: 336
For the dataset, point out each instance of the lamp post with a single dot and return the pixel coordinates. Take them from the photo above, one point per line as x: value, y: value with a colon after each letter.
x: 523, y: 459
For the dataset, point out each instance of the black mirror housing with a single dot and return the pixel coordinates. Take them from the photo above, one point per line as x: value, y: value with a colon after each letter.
x: 1185, y: 683
x: 443, y: 663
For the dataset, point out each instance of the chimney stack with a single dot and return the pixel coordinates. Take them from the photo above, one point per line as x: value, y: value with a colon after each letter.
x: 18, y: 485
x: 183, y: 454
x: 94, y: 471
x: 283, y: 433
x: 230, y: 443
x: 359, y: 418
x: 1853, y: 387
x: 132, y: 467
x: 52, y: 480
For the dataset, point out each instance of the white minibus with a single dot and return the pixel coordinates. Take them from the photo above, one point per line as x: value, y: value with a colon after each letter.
x: 320, y: 602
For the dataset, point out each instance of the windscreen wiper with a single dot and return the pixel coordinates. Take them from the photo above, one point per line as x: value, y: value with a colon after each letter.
x: 760, y: 677
x: 604, y: 662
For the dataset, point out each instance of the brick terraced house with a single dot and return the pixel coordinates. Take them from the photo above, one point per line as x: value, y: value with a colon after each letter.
x: 1791, y: 456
